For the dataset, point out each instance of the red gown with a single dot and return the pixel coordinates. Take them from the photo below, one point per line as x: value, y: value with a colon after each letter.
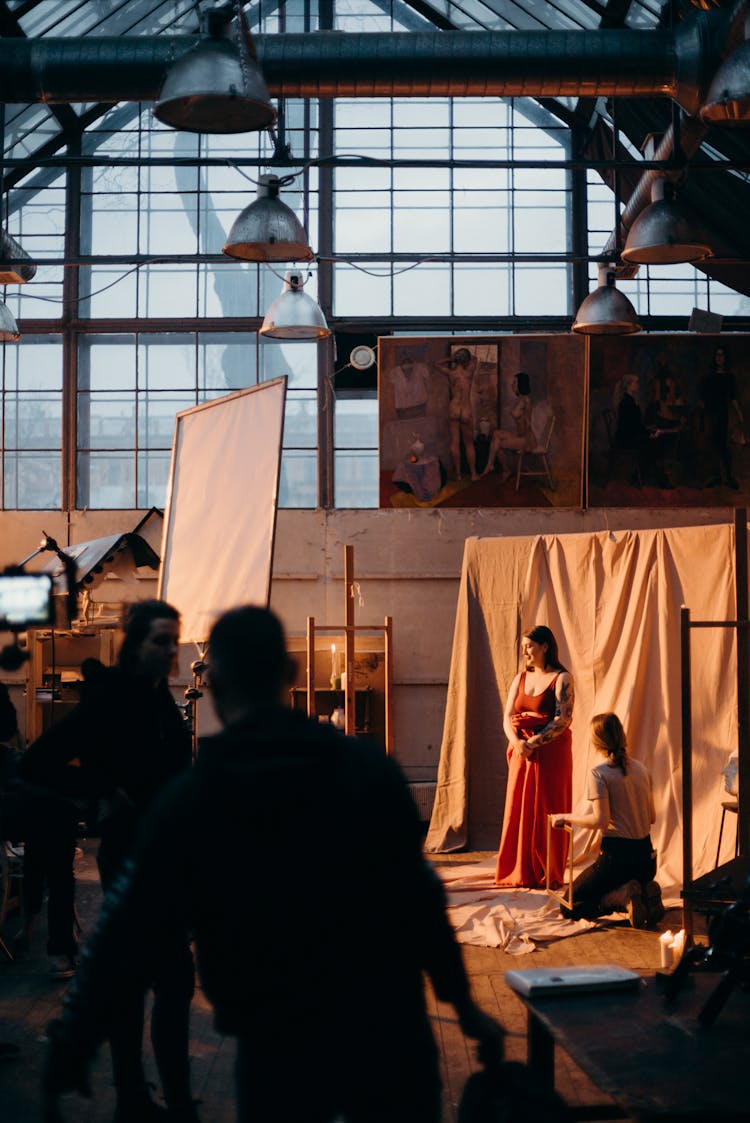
x: 536, y: 788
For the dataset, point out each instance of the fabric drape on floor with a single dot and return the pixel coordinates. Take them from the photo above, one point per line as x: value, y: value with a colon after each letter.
x: 613, y: 600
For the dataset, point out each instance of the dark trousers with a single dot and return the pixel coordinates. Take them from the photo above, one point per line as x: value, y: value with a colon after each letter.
x: 173, y: 984
x: 620, y: 860
x: 48, y: 825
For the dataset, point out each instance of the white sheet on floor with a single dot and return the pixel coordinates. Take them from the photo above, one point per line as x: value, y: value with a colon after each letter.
x: 515, y: 920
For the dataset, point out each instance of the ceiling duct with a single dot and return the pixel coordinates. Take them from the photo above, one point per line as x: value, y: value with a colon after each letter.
x: 613, y: 62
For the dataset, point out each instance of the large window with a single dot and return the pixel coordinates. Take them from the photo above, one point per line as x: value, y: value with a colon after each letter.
x: 427, y: 215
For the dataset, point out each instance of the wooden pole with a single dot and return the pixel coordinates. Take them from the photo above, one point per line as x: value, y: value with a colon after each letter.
x: 310, y: 675
x: 388, y: 655
x: 687, y: 773
x: 350, y: 714
x: 743, y: 682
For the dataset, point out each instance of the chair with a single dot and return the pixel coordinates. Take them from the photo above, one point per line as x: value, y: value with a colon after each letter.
x: 11, y: 878
x: 731, y: 805
x: 541, y: 451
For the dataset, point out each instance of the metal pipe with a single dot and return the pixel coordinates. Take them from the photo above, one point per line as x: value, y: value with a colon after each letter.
x: 607, y: 63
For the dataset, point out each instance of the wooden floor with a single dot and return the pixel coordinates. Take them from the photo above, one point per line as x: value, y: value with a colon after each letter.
x: 29, y: 1000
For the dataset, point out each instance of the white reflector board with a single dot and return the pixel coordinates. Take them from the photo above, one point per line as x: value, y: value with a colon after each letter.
x: 220, y: 519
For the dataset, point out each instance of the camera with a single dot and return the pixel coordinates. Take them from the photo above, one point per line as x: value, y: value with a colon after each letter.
x: 25, y: 600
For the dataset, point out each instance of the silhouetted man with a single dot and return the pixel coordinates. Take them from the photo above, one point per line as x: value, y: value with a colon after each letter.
x: 294, y: 855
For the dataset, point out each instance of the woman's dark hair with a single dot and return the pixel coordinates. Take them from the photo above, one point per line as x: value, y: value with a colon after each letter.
x: 719, y: 347
x: 137, y: 623
x: 540, y: 633
x: 461, y: 355
x: 608, y: 736
x: 523, y: 382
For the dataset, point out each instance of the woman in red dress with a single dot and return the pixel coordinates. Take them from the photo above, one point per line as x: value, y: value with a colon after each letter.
x: 537, y: 720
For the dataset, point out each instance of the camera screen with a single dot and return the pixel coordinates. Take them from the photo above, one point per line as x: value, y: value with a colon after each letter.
x: 25, y: 600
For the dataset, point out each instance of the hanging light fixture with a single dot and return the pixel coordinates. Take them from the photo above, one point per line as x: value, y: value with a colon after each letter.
x: 267, y: 229
x: 17, y: 267
x: 665, y: 232
x: 728, y: 98
x: 217, y: 86
x: 606, y: 311
x: 294, y: 314
x: 9, y: 332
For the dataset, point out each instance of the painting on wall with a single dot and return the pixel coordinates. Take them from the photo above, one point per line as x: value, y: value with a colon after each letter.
x: 488, y: 421
x: 669, y: 421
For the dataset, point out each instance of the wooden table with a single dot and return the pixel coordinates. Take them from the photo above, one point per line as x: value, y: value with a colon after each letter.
x: 656, y: 1062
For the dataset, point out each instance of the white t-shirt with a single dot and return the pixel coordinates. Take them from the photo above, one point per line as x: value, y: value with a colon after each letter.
x: 629, y: 796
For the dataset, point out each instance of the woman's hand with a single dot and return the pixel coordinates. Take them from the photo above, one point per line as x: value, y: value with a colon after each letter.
x: 560, y: 821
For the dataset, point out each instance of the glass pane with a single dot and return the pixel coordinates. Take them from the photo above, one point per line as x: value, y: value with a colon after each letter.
x: 227, y: 362
x: 32, y: 481
x: 355, y: 289
x: 35, y: 363
x: 167, y: 290
x: 33, y: 421
x: 105, y: 480
x: 356, y: 421
x: 107, y: 363
x: 356, y: 479
x: 301, y: 421
x: 166, y: 362
x: 108, y: 291
x: 106, y: 421
x: 423, y: 291
x: 298, y: 485
x: 482, y: 290
x: 153, y: 475
x: 156, y: 414
x: 298, y: 361
x: 544, y: 289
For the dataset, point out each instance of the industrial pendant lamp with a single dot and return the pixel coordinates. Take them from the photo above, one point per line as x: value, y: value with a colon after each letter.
x: 17, y: 267
x: 606, y: 311
x: 665, y: 232
x: 9, y: 332
x: 267, y: 229
x: 217, y: 87
x: 294, y: 315
x: 728, y: 98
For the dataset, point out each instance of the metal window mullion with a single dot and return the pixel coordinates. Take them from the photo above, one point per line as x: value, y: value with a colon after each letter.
x: 326, y: 399
x: 70, y: 296
x: 579, y: 224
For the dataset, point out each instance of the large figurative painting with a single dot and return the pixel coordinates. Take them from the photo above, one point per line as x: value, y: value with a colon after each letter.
x: 669, y: 421
x: 481, y: 421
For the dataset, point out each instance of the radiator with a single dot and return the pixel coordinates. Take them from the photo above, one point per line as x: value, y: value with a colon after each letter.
x: 423, y: 794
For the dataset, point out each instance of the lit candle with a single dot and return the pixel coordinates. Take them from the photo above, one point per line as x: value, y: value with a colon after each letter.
x: 677, y: 946
x: 333, y: 658
x: 665, y: 949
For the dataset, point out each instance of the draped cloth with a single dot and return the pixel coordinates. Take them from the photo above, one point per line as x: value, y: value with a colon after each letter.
x: 613, y: 601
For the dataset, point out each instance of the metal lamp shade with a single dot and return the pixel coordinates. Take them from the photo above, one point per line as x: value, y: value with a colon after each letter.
x: 210, y: 89
x: 267, y: 229
x: 606, y: 311
x: 665, y: 232
x: 294, y: 314
x: 9, y: 332
x: 19, y: 268
x: 728, y: 98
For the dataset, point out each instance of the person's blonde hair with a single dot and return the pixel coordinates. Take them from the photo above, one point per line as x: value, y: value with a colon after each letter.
x: 608, y: 736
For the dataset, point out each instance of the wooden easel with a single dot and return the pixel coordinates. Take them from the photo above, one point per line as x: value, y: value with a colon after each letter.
x: 350, y: 629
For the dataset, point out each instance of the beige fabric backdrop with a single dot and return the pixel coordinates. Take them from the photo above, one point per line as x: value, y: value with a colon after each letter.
x: 613, y: 601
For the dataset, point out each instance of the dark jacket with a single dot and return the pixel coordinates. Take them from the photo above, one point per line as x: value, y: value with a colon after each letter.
x: 115, y: 751
x: 294, y: 854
